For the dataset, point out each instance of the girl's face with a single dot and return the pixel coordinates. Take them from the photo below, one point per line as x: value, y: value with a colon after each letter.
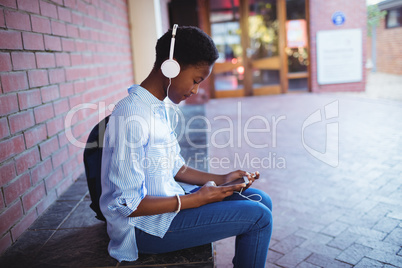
x: 188, y: 81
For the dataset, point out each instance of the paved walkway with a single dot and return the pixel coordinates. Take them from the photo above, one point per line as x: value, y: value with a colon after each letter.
x: 332, y: 164
x: 382, y: 85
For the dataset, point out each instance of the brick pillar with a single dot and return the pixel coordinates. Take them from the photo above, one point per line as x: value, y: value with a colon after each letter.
x: 320, y: 19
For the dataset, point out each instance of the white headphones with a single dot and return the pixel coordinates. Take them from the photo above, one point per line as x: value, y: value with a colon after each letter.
x: 171, y: 68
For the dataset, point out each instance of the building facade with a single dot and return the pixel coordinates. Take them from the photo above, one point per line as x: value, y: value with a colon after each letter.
x: 384, y: 46
x: 63, y: 63
x: 281, y: 46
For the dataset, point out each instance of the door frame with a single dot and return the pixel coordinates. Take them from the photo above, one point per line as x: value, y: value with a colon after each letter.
x: 248, y: 90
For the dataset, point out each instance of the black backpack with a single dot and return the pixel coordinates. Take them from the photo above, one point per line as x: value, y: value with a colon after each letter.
x: 93, y: 162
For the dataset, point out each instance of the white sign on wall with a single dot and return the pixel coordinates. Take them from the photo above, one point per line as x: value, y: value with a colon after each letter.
x: 339, y: 56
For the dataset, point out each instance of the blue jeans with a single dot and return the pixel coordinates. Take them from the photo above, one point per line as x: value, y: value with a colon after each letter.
x: 250, y: 222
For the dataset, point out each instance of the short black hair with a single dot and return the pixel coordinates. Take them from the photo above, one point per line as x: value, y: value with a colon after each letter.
x: 192, y: 47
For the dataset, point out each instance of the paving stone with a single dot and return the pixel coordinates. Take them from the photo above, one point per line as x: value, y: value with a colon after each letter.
x: 267, y: 265
x: 367, y: 232
x: 54, y: 215
x: 324, y: 261
x: 310, y: 224
x: 344, y: 240
x: 395, y: 237
x: 281, y: 232
x: 23, y: 252
x: 273, y: 256
x: 306, y: 265
x: 355, y: 218
x: 273, y: 242
x: 354, y: 254
x: 225, y: 247
x: 308, y: 234
x: 76, y: 220
x: 76, y: 191
x: 376, y: 244
x: 71, y: 246
x: 329, y: 216
x: 288, y: 243
x: 383, y: 209
x: 335, y: 228
x: 317, y: 238
x: 365, y: 262
x: 386, y: 199
x: 293, y: 258
x: 386, y: 225
x: 388, y: 189
x: 389, y: 266
x: 381, y: 256
x: 322, y: 249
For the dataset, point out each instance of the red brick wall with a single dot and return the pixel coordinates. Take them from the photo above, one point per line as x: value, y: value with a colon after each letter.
x: 320, y: 19
x: 54, y: 55
x: 388, y: 49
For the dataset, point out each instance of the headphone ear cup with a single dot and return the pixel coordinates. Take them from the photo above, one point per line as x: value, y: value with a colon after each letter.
x: 170, y: 68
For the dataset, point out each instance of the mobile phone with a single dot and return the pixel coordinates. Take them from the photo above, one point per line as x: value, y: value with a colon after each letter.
x: 244, y: 180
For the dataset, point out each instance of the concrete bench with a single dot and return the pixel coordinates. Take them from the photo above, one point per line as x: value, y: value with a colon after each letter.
x: 69, y: 235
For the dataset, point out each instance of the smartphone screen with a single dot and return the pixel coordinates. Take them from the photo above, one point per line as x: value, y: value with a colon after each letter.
x: 237, y: 181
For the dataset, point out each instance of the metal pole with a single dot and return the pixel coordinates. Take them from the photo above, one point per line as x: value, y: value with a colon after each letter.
x: 374, y: 48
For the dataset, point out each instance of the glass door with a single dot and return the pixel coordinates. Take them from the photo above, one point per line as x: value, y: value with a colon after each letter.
x: 250, y: 38
x: 263, y: 46
x: 263, y: 50
x: 228, y: 72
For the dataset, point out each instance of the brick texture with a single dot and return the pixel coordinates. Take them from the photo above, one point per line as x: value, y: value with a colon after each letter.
x: 35, y: 135
x: 29, y: 5
x: 5, y: 62
x: 17, y: 20
x: 41, y: 25
x: 33, y: 41
x: 23, y: 60
x: 30, y: 98
x: 16, y: 188
x: 21, y: 121
x: 54, y: 55
x: 4, y: 129
x: 320, y: 20
x: 8, y: 104
x: 7, y: 172
x: 10, y: 40
x: 14, y: 81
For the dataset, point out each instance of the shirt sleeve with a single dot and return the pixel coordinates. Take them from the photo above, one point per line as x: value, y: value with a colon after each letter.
x: 179, y: 162
x: 125, y: 141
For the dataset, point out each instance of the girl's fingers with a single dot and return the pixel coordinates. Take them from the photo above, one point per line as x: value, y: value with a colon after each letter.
x: 232, y: 188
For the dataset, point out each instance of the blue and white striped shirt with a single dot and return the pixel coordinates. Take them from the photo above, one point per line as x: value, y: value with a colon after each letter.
x: 140, y: 157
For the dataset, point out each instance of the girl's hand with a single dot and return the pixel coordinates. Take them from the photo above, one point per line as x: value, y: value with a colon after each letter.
x: 210, y: 193
x: 240, y: 173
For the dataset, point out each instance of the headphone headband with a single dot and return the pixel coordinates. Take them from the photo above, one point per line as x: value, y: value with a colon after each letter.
x: 171, y: 68
x: 172, y: 41
x: 174, y: 30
